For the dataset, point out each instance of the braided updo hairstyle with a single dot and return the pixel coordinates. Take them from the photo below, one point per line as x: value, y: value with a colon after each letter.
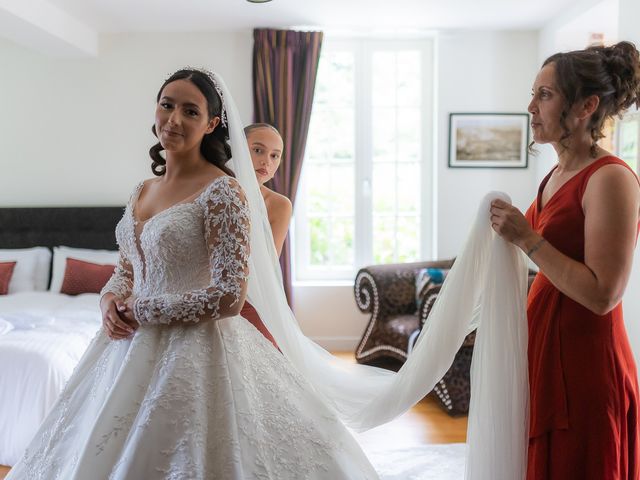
x: 611, y: 73
x: 214, y: 146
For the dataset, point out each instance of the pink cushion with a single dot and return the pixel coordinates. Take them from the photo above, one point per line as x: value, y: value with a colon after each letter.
x: 85, y: 277
x: 6, y: 270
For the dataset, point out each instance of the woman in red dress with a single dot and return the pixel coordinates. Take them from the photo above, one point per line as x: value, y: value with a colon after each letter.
x: 265, y: 146
x: 581, y: 231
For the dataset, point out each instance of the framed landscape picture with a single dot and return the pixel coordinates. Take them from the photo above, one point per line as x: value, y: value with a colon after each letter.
x: 488, y: 140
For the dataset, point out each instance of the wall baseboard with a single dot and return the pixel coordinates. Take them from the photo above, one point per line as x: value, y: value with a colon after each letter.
x: 337, y: 344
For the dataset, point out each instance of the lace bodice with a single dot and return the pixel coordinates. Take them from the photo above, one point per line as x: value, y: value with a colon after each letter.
x: 214, y: 400
x: 188, y: 262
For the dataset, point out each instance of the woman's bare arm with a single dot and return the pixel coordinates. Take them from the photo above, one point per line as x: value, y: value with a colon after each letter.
x: 280, y: 210
x: 611, y: 204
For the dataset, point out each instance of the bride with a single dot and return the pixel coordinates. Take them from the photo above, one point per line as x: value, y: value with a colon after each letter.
x: 178, y: 386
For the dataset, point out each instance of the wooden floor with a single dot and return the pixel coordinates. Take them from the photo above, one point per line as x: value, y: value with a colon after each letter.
x: 425, y: 423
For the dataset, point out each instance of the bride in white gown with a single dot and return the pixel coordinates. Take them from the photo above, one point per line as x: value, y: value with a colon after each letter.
x: 179, y: 386
x: 197, y: 392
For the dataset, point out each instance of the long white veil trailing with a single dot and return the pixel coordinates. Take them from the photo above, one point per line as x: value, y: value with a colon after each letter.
x: 486, y: 288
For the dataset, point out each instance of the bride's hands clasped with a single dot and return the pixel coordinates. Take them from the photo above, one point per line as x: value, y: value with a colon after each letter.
x: 127, y: 315
x: 117, y: 317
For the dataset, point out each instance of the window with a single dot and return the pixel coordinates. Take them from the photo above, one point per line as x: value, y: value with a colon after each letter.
x: 628, y: 139
x: 366, y: 174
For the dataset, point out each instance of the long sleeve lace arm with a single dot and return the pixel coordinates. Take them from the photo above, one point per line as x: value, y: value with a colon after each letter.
x: 226, y: 228
x: 121, y: 282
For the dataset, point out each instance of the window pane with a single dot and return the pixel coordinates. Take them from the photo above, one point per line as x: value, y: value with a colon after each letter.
x: 409, y: 127
x: 409, y: 78
x: 319, y: 240
x: 383, y: 239
x: 629, y: 132
x: 318, y: 193
x: 384, y: 134
x: 335, y: 82
x: 317, y: 150
x: 408, y: 238
x: 342, y: 242
x: 331, y: 135
x: 342, y: 189
x: 383, y: 79
x: 408, y: 188
x: 384, y: 188
x: 397, y: 154
x: 329, y: 168
x: 339, y: 136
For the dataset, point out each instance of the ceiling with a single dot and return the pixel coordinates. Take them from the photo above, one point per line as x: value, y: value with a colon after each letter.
x: 71, y: 28
x: 190, y: 15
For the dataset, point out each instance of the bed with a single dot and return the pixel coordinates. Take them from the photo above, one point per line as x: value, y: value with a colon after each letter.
x: 43, y: 334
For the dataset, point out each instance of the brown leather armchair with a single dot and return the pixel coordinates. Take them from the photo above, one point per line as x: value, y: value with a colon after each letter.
x: 388, y: 293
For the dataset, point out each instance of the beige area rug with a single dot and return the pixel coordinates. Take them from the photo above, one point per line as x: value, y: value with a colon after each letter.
x: 426, y: 462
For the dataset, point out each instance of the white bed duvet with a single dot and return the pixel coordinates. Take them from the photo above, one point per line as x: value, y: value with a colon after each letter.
x: 42, y: 337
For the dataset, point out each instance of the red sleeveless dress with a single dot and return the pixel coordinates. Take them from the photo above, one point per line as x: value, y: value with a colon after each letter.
x: 582, y: 375
x: 252, y: 316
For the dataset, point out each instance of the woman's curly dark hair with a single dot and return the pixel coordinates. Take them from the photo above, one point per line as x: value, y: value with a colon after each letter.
x: 611, y: 73
x: 214, y: 146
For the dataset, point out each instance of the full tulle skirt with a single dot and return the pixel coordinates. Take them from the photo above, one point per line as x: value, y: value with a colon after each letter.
x: 213, y: 400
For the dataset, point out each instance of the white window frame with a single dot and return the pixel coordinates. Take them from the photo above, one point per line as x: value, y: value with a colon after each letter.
x: 363, y: 49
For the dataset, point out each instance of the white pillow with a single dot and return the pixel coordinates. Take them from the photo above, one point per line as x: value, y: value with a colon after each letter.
x: 5, y: 327
x: 60, y: 255
x: 31, y: 272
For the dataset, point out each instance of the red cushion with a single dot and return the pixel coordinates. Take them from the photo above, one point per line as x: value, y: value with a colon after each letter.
x: 85, y: 277
x: 6, y: 270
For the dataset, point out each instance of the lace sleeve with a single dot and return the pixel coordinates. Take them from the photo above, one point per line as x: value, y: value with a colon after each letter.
x: 226, y: 226
x: 121, y: 282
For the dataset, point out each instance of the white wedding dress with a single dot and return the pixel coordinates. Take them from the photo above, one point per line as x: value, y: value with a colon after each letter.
x: 186, y: 398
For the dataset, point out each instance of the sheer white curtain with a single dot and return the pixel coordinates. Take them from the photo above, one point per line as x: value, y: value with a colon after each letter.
x: 486, y: 288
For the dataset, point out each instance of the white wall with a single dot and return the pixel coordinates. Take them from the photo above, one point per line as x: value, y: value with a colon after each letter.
x: 480, y: 72
x: 329, y: 315
x: 571, y: 30
x: 629, y: 12
x: 77, y: 131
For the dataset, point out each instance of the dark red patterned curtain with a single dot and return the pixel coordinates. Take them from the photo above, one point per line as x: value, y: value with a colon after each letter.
x: 285, y: 66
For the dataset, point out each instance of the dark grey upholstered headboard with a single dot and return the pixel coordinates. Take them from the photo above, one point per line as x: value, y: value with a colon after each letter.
x: 80, y: 227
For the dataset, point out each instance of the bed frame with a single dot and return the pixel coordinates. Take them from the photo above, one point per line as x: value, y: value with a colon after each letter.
x: 80, y: 227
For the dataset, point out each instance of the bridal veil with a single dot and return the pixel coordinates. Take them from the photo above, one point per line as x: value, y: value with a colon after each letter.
x: 486, y: 289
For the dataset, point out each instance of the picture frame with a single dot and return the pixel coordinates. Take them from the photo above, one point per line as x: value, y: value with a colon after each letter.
x: 488, y: 140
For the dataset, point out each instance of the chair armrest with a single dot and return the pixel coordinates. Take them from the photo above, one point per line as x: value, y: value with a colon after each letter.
x: 390, y: 289
x: 426, y: 302
x: 429, y: 296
